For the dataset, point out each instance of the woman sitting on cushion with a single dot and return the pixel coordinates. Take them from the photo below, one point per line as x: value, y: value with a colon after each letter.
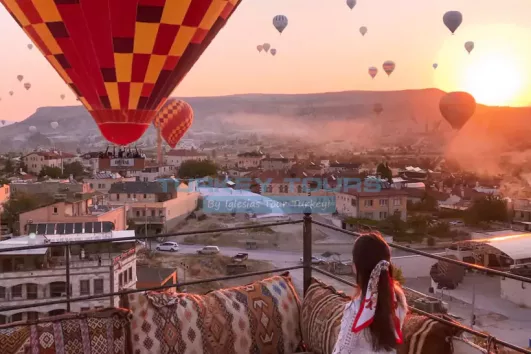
x: 372, y: 321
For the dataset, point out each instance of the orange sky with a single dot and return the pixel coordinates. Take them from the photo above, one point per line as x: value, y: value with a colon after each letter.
x: 322, y: 50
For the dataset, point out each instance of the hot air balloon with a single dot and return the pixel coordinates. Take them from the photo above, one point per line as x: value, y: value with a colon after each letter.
x: 351, y: 3
x: 469, y: 46
x: 259, y: 48
x: 363, y: 30
x: 435, y: 65
x: 377, y: 108
x: 452, y: 20
x: 30, y: 46
x: 266, y: 47
x: 122, y: 58
x: 11, y: 93
x: 27, y: 85
x: 173, y: 120
x: 273, y: 51
x: 33, y: 129
x: 3, y: 122
x: 54, y: 125
x: 62, y: 97
x: 373, y: 71
x: 389, y: 67
x: 457, y: 108
x: 280, y: 22
x: 20, y: 78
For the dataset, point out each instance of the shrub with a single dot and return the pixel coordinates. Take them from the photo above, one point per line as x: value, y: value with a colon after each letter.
x: 431, y: 241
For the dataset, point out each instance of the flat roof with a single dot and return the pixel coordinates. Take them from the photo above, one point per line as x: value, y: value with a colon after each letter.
x: 23, y: 241
x: 516, y: 246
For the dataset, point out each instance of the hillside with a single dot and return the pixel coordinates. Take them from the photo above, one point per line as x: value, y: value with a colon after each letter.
x: 325, y: 116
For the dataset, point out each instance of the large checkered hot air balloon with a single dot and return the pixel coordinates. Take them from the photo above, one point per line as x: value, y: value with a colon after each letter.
x: 122, y: 58
x: 173, y: 120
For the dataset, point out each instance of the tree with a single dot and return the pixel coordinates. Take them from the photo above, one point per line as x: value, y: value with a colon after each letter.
x: 197, y: 169
x: 8, y: 166
x: 486, y: 209
x: 52, y: 172
x: 75, y: 169
x: 385, y: 172
x: 20, y: 203
x: 214, y: 154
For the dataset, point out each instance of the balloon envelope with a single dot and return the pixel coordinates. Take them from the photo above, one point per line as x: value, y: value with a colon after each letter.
x: 27, y: 85
x: 469, y: 46
x: 33, y: 129
x: 363, y: 30
x: 389, y: 67
x: 11, y: 93
x: 122, y: 58
x: 457, y: 108
x: 435, y: 65
x: 20, y: 77
x: 351, y: 3
x: 3, y: 122
x: 62, y: 97
x: 452, y: 20
x: 259, y: 48
x: 266, y: 47
x: 54, y: 125
x: 373, y: 71
x: 173, y: 120
x: 280, y: 22
x: 30, y: 46
x: 273, y: 51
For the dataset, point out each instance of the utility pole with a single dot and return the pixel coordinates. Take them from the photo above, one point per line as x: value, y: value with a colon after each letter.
x: 146, y: 226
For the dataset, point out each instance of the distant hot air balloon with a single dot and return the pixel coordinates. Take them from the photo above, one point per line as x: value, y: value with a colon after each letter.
x: 27, y: 85
x: 11, y: 93
x: 3, y: 122
x: 173, y: 120
x: 273, y: 51
x: 63, y: 97
x: 54, y: 125
x: 351, y: 3
x: 389, y: 67
x: 20, y: 78
x: 266, y: 47
x: 435, y: 65
x: 373, y: 71
x: 452, y: 20
x: 363, y: 30
x: 280, y: 22
x: 33, y: 129
x: 469, y: 46
x: 377, y: 108
x: 122, y: 58
x: 457, y: 108
x: 30, y: 46
x: 259, y: 48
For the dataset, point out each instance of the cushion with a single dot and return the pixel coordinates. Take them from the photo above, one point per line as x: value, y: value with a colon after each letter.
x: 423, y: 335
x: 322, y: 311
x: 92, y: 332
x: 262, y: 317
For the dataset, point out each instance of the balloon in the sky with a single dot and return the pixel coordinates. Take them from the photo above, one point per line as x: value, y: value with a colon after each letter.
x: 173, y: 120
x: 363, y: 30
x: 54, y: 125
x: 280, y: 22
x: 122, y: 58
x: 30, y: 46
x: 469, y: 46
x: 62, y: 96
x: 351, y: 3
x: 273, y: 51
x: 266, y: 47
x: 457, y: 108
x: 389, y: 67
x: 373, y: 71
x: 27, y: 85
x: 435, y: 65
x: 20, y: 78
x: 377, y: 108
x: 11, y: 93
x: 3, y: 122
x: 259, y: 48
x: 452, y: 20
x: 33, y: 129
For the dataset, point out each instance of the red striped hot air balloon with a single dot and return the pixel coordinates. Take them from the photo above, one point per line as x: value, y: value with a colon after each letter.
x: 173, y: 120
x: 122, y: 58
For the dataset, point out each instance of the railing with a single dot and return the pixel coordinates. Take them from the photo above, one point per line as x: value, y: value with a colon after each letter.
x: 148, y: 219
x: 306, y: 266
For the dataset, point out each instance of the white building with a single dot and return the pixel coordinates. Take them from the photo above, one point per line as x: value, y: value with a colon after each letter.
x: 36, y: 160
x: 30, y: 277
x: 101, y: 182
x: 176, y: 157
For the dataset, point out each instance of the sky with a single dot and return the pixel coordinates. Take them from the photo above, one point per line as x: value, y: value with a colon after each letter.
x: 322, y: 50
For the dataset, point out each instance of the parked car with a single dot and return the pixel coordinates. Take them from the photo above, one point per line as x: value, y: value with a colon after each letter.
x: 315, y: 260
x: 168, y: 246
x: 208, y: 250
x: 240, y: 257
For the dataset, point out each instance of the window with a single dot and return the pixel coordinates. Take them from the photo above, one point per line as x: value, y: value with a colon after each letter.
x: 353, y: 202
x: 383, y: 202
x: 32, y: 316
x: 138, y: 213
x: 117, y: 196
x: 58, y: 289
x: 98, y: 286
x: 145, y: 196
x: 299, y: 189
x: 16, y: 291
x: 2, y: 292
x: 85, y: 309
x: 121, y: 280
x: 84, y: 287
x: 91, y: 186
x: 16, y: 317
x: 397, y: 201
x: 130, y: 274
x: 128, y: 196
x: 369, y: 216
x: 55, y: 210
x: 383, y: 215
x: 368, y: 202
x: 31, y: 291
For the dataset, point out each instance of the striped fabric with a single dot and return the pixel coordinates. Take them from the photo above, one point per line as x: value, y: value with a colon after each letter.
x: 423, y: 335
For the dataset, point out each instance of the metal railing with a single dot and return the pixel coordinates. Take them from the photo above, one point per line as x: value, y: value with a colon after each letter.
x: 307, y: 267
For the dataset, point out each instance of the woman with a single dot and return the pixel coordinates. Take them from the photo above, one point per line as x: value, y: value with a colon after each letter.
x: 372, y: 321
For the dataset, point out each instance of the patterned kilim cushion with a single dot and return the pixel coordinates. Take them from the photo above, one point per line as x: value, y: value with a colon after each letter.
x: 99, y: 332
x: 423, y: 335
x: 262, y: 318
x: 322, y: 311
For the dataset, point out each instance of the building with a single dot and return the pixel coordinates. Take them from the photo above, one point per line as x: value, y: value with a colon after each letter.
x: 77, y: 209
x: 34, y: 276
x: 155, y: 205
x: 148, y: 277
x: 5, y: 193
x: 36, y: 160
x: 90, y: 161
x: 102, y: 181
x: 276, y: 164
x: 176, y: 157
x: 50, y: 187
x: 152, y: 172
x: 337, y: 167
x: 521, y: 210
x: 249, y: 159
x: 377, y: 205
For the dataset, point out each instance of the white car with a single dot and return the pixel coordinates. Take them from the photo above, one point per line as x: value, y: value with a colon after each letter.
x: 208, y: 250
x: 315, y: 260
x: 168, y: 246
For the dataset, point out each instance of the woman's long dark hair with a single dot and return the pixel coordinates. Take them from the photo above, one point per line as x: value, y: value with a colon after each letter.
x: 369, y: 249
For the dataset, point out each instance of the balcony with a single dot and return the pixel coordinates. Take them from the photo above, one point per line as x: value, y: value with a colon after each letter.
x: 306, y: 267
x: 148, y: 219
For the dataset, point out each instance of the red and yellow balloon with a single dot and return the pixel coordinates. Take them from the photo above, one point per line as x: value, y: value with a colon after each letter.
x: 173, y: 120
x: 122, y: 58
